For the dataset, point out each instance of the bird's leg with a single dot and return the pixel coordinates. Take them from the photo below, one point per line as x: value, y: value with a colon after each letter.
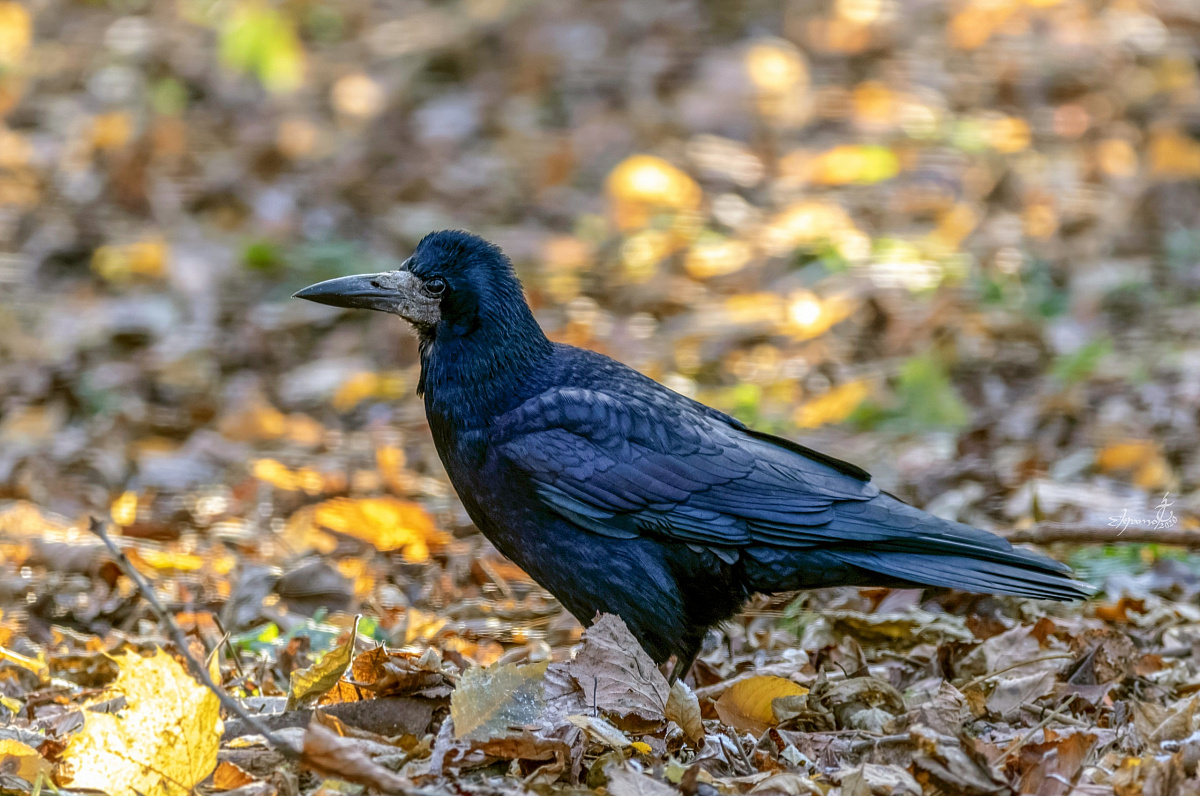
x: 682, y: 664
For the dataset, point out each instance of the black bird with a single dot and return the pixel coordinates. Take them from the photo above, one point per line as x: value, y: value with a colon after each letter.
x: 618, y: 495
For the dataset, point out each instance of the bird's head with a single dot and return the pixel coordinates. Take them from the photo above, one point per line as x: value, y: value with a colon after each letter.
x: 453, y: 285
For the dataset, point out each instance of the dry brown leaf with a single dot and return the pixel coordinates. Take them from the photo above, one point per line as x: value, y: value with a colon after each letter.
x: 601, y: 730
x: 870, y: 779
x: 1011, y: 693
x: 489, y: 701
x: 307, y: 685
x: 787, y: 785
x: 623, y: 781
x: 163, y: 742
x: 617, y: 676
x: 954, y: 767
x: 344, y: 758
x: 747, y: 706
x: 860, y: 703
x: 385, y: 673
x: 683, y: 708
x: 1157, y: 723
x: 945, y: 713
x: 899, y: 630
x: 229, y: 776
x: 1051, y: 767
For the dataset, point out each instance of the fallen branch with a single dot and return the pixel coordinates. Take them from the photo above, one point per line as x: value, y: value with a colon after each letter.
x: 198, y: 670
x: 1050, y: 532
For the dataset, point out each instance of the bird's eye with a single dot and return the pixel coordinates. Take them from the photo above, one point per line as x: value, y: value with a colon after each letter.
x: 436, y: 287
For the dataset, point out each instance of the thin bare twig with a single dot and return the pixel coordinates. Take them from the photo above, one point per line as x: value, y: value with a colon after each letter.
x: 983, y: 678
x: 198, y: 670
x: 1050, y: 532
x: 232, y: 650
x: 1051, y: 716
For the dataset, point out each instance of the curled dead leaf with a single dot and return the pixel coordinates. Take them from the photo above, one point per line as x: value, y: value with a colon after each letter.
x: 683, y: 708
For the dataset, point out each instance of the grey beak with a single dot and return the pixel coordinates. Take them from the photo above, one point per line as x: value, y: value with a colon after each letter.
x: 397, y: 292
x: 361, y: 291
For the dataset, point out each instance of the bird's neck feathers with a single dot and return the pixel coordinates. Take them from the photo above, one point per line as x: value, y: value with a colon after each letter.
x: 472, y: 372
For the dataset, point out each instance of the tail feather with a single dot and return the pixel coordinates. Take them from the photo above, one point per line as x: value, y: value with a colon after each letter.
x: 887, y: 542
x: 1020, y: 577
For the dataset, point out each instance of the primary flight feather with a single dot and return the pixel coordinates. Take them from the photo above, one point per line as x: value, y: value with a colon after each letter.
x: 619, y: 495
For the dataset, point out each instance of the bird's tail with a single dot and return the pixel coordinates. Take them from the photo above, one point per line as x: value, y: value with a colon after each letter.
x: 923, y: 550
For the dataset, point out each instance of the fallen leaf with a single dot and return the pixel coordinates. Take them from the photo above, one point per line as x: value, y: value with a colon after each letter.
x: 230, y: 777
x: 385, y: 673
x: 386, y: 523
x: 602, y: 731
x: 899, y: 630
x: 747, y: 706
x: 489, y: 701
x: 954, y: 767
x: 23, y: 761
x: 617, y: 676
x: 344, y: 758
x: 683, y: 708
x: 787, y: 785
x: 623, y: 781
x: 306, y: 685
x: 870, y: 779
x: 1051, y: 767
x: 163, y: 742
x: 1011, y: 693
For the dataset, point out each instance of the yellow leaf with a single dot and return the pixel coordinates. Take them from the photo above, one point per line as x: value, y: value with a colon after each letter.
x: 641, y: 184
x: 163, y: 743
x: 164, y: 560
x: 1128, y: 455
x: 280, y: 476
x: 23, y: 761
x: 308, y: 684
x: 717, y: 256
x: 112, y: 130
x: 387, y: 523
x: 1174, y: 155
x: 747, y: 704
x: 36, y: 666
x: 16, y: 29
x: 848, y: 164
x: 122, y: 263
x: 124, y: 509
x: 488, y: 701
x: 365, y: 385
x: 24, y: 519
x: 832, y: 407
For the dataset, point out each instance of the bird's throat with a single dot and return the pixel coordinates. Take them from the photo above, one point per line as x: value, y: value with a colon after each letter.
x: 466, y: 382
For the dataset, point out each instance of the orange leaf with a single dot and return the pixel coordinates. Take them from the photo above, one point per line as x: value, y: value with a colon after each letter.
x: 747, y: 705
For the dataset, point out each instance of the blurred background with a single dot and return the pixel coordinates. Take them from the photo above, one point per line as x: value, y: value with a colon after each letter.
x: 957, y: 243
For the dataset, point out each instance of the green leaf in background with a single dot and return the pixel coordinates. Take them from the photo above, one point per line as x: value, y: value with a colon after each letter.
x: 925, y: 398
x: 1079, y: 365
x: 260, y: 40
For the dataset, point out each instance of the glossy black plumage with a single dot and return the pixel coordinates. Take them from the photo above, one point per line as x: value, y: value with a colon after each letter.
x: 618, y: 495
